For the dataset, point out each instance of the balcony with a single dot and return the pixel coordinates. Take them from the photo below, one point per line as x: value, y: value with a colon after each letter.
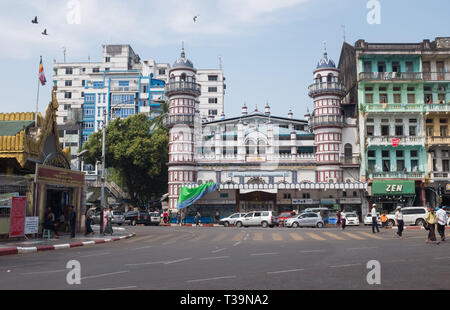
x: 397, y: 175
x: 189, y: 88
x: 324, y: 121
x: 440, y: 176
x: 437, y: 107
x: 436, y: 76
x: 438, y: 140
x: 390, y: 76
x: 350, y: 161
x: 125, y: 89
x: 181, y: 119
x: 394, y: 107
x: 333, y: 88
x: 404, y: 140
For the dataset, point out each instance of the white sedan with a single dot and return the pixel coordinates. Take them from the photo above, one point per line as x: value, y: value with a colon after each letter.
x: 231, y: 220
x: 352, y: 219
x: 368, y: 219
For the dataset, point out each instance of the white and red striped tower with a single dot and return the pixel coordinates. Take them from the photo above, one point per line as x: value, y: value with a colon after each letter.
x: 182, y: 92
x: 327, y: 120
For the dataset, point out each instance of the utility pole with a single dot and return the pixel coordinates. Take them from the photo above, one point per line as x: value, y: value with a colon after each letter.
x: 103, y: 205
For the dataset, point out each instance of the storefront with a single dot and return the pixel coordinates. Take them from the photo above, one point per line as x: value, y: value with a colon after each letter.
x: 388, y: 194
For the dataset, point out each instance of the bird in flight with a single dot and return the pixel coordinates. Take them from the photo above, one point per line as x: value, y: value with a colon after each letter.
x: 45, y: 32
x: 35, y: 20
x: 195, y: 18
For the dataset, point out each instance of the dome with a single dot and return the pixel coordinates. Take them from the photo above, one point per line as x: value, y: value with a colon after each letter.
x: 325, y: 62
x: 183, y: 62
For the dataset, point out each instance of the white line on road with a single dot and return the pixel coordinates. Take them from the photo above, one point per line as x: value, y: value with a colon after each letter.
x: 103, y: 275
x: 284, y: 271
x: 237, y: 243
x: 217, y: 257
x: 144, y: 247
x: 217, y: 251
x: 259, y: 254
x: 363, y: 248
x: 313, y: 251
x: 148, y: 263
x: 347, y: 265
x: 98, y: 254
x: 178, y: 261
x: 44, y: 272
x: 117, y: 288
x: 211, y: 279
x: 442, y: 258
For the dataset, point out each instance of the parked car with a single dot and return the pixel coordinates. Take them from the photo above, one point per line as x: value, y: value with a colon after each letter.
x: 155, y: 218
x: 411, y: 216
x: 259, y: 218
x: 118, y: 218
x: 368, y: 219
x: 138, y: 217
x: 323, y: 212
x: 284, y: 216
x: 310, y: 219
x: 231, y: 220
x: 352, y: 219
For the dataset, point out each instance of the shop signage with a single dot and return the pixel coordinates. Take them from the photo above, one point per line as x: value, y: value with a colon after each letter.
x: 447, y: 188
x: 393, y: 187
x: 327, y: 201
x: 31, y: 225
x: 17, y: 217
x: 64, y: 177
x: 215, y: 202
x: 284, y: 201
x: 6, y: 200
x: 350, y: 200
x: 304, y: 202
x: 258, y: 174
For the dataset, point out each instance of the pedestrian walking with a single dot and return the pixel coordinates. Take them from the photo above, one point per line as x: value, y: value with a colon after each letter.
x: 374, y: 219
x: 179, y: 218
x: 399, y: 221
x: 442, y: 219
x: 165, y: 217
x: 197, y: 218
x: 169, y: 217
x: 72, y: 221
x: 338, y: 218
x: 343, y: 219
x: 89, y: 215
x: 217, y: 216
x: 108, y: 228
x: 430, y: 219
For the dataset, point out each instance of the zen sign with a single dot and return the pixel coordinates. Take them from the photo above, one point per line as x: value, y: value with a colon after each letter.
x: 393, y: 187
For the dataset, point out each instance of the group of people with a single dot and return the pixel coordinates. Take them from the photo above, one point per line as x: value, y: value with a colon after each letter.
x: 66, y: 219
x: 181, y: 217
x: 107, y: 221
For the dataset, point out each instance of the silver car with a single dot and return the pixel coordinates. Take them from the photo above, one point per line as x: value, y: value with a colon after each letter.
x: 118, y: 218
x: 309, y: 219
x: 259, y: 218
x: 231, y: 220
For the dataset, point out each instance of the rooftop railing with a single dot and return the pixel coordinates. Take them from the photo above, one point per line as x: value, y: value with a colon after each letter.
x: 181, y: 86
x: 326, y: 88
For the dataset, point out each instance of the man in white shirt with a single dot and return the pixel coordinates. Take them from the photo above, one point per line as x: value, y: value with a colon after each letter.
x: 343, y: 219
x: 399, y: 221
x: 442, y: 218
x: 374, y: 218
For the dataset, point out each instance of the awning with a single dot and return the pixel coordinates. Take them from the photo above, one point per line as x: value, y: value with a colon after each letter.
x: 393, y: 187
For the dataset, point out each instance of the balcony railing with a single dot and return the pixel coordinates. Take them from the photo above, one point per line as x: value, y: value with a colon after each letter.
x: 184, y: 87
x: 181, y: 119
x: 394, y: 107
x: 438, y: 140
x: 326, y: 88
x: 436, y: 76
x: 397, y: 175
x: 328, y: 120
x: 440, y: 175
x: 387, y: 140
x: 437, y: 107
x: 390, y: 76
x: 350, y: 161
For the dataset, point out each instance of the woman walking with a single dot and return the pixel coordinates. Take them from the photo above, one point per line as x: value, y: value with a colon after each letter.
x: 430, y: 219
x: 108, y: 228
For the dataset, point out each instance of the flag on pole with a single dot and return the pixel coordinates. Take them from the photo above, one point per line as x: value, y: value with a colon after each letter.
x: 41, y: 74
x: 188, y: 196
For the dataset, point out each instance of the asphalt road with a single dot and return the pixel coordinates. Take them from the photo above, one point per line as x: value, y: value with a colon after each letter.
x: 198, y: 258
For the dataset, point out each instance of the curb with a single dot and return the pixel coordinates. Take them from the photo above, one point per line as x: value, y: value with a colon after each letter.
x: 42, y: 248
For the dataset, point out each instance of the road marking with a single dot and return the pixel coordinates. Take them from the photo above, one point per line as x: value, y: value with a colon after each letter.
x: 315, y: 236
x: 211, y: 279
x: 348, y: 265
x: 296, y: 236
x: 277, y: 237
x: 442, y: 258
x: 353, y: 236
x: 198, y: 238
x: 103, y: 275
x: 158, y: 238
x: 363, y: 248
x: 284, y: 271
x: 44, y: 272
x: 372, y: 235
x: 260, y: 254
x: 178, y: 261
x: 238, y: 237
x: 333, y: 236
x: 258, y: 237
x: 117, y: 288
x: 143, y: 264
x: 135, y: 239
x: 217, y: 251
x: 313, y: 251
x: 237, y: 243
x: 217, y: 257
x: 219, y: 237
x: 98, y: 254
x: 144, y: 247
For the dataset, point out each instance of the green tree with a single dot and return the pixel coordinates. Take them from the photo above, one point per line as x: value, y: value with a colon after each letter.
x: 138, y: 155
x: 157, y: 122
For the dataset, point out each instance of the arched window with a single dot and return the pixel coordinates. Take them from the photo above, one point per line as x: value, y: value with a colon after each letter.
x: 318, y: 79
x: 330, y: 78
x: 348, y: 151
x: 262, y: 146
x: 183, y: 77
x: 250, y: 147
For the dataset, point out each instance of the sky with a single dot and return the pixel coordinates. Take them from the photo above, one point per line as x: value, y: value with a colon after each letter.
x: 269, y: 48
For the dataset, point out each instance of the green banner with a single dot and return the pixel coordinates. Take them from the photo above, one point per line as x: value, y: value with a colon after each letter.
x: 190, y: 195
x: 393, y: 187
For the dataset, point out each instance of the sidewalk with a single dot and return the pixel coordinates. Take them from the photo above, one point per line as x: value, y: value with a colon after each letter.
x: 64, y: 242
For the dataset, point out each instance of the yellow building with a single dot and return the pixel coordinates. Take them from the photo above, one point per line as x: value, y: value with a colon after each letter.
x: 32, y: 164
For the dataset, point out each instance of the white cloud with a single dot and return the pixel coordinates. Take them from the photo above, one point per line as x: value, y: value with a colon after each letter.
x: 149, y: 23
